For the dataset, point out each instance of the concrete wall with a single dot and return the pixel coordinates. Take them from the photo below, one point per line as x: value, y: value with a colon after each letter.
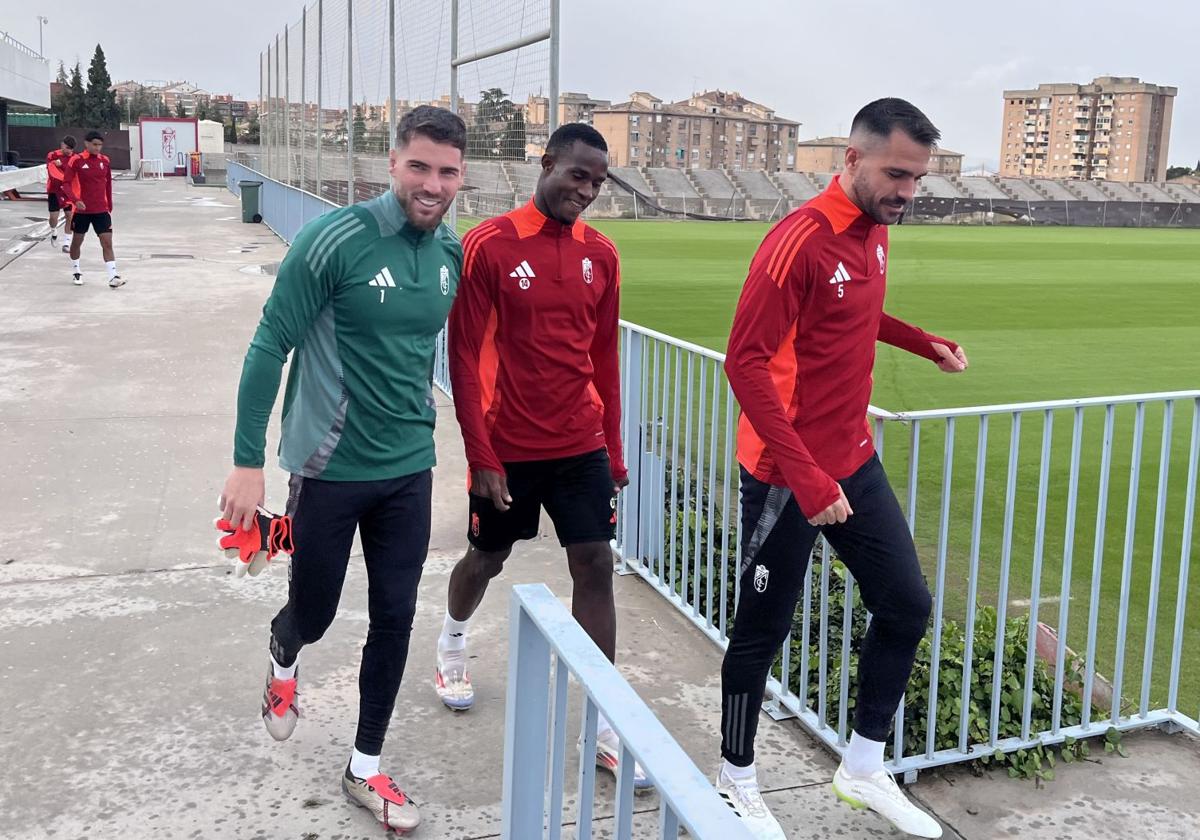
x: 24, y: 76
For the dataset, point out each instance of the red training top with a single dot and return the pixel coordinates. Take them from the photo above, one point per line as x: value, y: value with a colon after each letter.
x: 93, y: 182
x: 533, y: 342
x: 802, y: 347
x: 56, y: 176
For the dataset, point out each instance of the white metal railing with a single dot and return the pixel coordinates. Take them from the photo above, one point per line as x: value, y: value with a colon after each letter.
x: 984, y: 534
x: 542, y: 634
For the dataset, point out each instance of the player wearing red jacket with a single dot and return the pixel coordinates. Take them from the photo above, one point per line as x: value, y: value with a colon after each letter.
x: 58, y: 191
x: 801, y: 352
x: 533, y: 361
x: 91, y: 173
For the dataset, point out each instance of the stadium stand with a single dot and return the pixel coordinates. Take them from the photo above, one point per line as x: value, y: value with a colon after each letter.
x: 978, y: 187
x: 796, y: 185
x: 671, y: 183
x: 714, y: 184
x: 1085, y: 190
x: 1018, y: 189
x: 1152, y: 192
x: 1182, y: 192
x: 1117, y: 191
x: 1053, y: 190
x: 939, y: 186
x: 755, y: 184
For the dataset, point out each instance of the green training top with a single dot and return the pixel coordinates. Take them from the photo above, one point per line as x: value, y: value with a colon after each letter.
x: 361, y: 296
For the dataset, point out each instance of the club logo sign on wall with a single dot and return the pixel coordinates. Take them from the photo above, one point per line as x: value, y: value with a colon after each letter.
x: 168, y: 144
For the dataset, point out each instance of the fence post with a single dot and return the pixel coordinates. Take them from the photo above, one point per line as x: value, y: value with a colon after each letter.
x: 320, y: 81
x: 631, y: 434
x: 349, y: 102
x: 525, y: 726
x: 303, y: 96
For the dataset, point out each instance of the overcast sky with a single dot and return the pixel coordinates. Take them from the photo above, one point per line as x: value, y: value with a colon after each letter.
x: 812, y: 62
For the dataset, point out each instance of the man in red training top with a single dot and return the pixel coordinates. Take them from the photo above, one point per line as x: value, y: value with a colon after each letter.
x: 58, y: 192
x: 92, y: 173
x: 800, y: 356
x: 533, y: 362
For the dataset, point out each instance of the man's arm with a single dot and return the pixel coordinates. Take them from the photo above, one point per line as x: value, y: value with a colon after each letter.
x: 302, y: 289
x: 108, y: 186
x: 908, y: 337
x: 472, y: 323
x: 765, y: 316
x: 606, y: 368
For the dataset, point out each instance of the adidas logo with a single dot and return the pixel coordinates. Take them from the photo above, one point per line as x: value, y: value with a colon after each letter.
x: 841, y: 275
x: 524, y: 271
x: 383, y: 279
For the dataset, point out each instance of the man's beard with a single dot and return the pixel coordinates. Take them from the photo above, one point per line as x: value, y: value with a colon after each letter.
x: 875, y: 209
x: 408, y: 201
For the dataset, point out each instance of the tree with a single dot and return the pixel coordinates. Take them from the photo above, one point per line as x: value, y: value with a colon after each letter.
x: 230, y: 131
x: 1179, y: 171
x: 513, y: 145
x: 253, y: 134
x: 72, y: 100
x: 100, y: 101
x: 180, y: 111
x: 377, y: 138
x: 202, y: 110
x: 360, y: 129
x: 56, y: 98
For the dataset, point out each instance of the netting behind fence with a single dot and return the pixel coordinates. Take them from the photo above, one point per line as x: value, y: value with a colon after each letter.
x: 336, y: 82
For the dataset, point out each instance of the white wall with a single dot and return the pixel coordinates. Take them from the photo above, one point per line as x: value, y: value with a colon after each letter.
x: 24, y: 78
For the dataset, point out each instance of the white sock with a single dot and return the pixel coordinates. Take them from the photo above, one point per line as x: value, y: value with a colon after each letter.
x: 454, y: 634
x: 739, y: 775
x: 282, y: 673
x: 863, y: 757
x: 75, y: 266
x: 112, y: 269
x: 363, y: 766
x: 603, y: 727
x: 66, y: 239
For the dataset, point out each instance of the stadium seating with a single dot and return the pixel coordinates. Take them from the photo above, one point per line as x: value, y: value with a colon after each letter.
x: 822, y: 179
x: 1052, y: 190
x: 939, y: 186
x: 1183, y: 192
x: 1019, y: 189
x: 671, y: 183
x: 797, y: 185
x: 978, y: 187
x: 714, y: 183
x: 633, y: 176
x: 755, y: 184
x: 1153, y: 192
x: 1118, y: 191
x: 1085, y: 190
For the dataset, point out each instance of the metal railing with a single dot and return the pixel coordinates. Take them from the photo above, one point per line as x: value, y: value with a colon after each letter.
x: 997, y: 527
x: 547, y: 647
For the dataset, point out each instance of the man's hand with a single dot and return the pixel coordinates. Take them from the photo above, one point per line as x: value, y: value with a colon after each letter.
x: 491, y: 485
x: 619, y: 484
x: 244, y: 493
x: 80, y: 207
x: 836, y: 513
x: 950, y: 361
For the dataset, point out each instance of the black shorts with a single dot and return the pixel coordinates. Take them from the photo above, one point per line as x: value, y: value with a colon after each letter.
x: 99, y: 222
x: 53, y: 203
x: 577, y: 492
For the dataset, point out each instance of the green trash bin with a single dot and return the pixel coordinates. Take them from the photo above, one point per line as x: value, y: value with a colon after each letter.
x: 250, y: 200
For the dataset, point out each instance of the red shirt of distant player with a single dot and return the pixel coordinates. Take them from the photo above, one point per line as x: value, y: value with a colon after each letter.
x: 802, y: 347
x: 92, y: 176
x: 56, y: 174
x: 533, y: 342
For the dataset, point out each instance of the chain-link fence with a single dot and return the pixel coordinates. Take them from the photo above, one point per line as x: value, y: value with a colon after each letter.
x: 335, y: 83
x: 1075, y: 213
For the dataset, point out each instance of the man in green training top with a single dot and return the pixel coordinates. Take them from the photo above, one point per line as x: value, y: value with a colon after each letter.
x: 361, y: 297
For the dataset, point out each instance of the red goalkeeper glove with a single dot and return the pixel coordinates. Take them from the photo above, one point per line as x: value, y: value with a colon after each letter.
x: 253, y: 550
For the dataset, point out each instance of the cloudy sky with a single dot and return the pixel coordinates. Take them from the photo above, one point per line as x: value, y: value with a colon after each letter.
x: 813, y: 62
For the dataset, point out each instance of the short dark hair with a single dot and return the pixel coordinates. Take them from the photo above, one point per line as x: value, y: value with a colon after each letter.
x: 438, y: 124
x: 69, y: 141
x: 567, y: 135
x: 93, y: 135
x: 883, y: 116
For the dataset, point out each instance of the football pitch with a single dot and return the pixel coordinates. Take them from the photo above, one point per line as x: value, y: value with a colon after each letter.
x: 1044, y: 314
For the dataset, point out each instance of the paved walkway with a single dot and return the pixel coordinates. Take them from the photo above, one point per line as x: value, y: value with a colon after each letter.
x: 131, y: 661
